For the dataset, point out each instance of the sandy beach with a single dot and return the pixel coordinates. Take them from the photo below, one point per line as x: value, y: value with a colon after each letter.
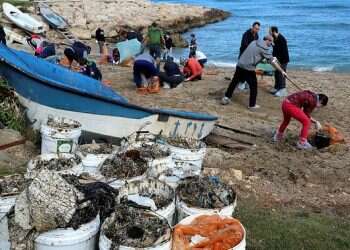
x: 277, y: 175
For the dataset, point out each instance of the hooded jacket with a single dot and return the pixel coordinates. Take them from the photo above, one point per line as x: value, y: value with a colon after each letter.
x: 254, y: 54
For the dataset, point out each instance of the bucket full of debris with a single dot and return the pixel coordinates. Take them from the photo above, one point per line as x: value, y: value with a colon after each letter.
x: 131, y: 228
x: 203, y: 195
x: 187, y: 154
x: 94, y: 154
x: 209, y: 231
x: 64, y: 211
x: 159, y: 158
x: 125, y: 166
x: 63, y: 163
x: 59, y: 135
x: 154, y: 195
x: 83, y: 238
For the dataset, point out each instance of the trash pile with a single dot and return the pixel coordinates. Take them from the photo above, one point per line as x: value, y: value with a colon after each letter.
x: 152, y: 151
x: 185, y: 143
x: 97, y: 148
x: 329, y: 135
x: 205, y: 192
x: 208, y: 232
x: 124, y: 165
x: 53, y: 162
x: 11, y: 184
x: 134, y: 227
x: 62, y: 124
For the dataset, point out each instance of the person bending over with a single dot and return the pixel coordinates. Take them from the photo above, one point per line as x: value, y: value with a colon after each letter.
x: 192, y: 70
x: 172, y: 74
x: 299, y: 106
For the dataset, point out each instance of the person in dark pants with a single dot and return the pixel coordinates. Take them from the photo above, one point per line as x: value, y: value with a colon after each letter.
x: 154, y: 40
x: 100, y: 38
x: 144, y: 69
x: 90, y: 69
x: 245, y: 70
x: 2, y: 35
x: 172, y: 75
x: 249, y: 36
x: 193, y: 46
x: 280, y: 51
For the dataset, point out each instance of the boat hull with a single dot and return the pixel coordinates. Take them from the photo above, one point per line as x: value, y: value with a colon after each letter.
x: 120, y: 127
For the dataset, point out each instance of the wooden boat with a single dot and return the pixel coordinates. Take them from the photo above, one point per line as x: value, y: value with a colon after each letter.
x: 48, y: 89
x: 52, y: 18
x: 22, y: 20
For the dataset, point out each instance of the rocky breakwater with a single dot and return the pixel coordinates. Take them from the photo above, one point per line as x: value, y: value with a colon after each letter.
x: 85, y: 16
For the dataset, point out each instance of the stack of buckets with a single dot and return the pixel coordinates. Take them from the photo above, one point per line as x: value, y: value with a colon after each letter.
x: 57, y: 141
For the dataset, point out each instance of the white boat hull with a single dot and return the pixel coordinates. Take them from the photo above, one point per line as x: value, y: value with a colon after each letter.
x: 120, y: 127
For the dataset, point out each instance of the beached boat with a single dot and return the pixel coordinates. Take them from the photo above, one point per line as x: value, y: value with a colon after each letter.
x: 52, y: 18
x: 47, y: 89
x: 22, y: 20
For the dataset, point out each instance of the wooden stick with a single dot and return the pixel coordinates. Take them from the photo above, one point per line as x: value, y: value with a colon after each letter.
x: 237, y: 130
x: 12, y: 144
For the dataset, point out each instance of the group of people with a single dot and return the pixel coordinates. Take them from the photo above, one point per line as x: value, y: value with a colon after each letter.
x: 146, y: 69
x: 298, y: 105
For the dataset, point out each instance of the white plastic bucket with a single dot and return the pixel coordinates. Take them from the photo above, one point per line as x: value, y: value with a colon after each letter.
x: 6, y: 203
x: 54, y: 140
x: 31, y: 166
x: 84, y: 238
x: 106, y: 244
x: 156, y: 166
x: 156, y: 187
x: 184, y: 210
x: 91, y: 163
x: 187, y: 162
x: 171, y: 180
x: 240, y: 246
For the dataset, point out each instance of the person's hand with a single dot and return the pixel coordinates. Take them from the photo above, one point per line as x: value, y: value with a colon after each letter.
x: 284, y: 74
x: 318, y: 125
x: 187, y: 79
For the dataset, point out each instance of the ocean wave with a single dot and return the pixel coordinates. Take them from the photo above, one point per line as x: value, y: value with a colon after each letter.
x: 222, y: 64
x: 323, y: 68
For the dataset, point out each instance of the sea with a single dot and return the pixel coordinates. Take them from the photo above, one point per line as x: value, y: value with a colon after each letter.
x: 317, y: 31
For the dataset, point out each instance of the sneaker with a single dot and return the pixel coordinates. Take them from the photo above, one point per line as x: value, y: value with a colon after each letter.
x: 166, y: 85
x: 304, y: 145
x: 254, y: 107
x: 225, y: 100
x: 277, y: 136
x: 273, y: 91
x: 281, y: 93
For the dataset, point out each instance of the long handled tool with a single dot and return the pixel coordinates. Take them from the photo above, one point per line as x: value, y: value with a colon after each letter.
x: 294, y: 83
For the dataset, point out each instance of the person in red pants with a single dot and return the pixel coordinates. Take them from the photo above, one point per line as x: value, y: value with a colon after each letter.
x: 300, y: 106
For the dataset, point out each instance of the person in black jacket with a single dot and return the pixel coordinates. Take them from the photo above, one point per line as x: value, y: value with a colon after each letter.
x: 2, y: 35
x: 100, y: 38
x: 172, y: 75
x: 249, y: 36
x: 280, y: 51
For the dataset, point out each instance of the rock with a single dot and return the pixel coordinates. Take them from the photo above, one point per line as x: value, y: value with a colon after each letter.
x: 22, y: 213
x: 52, y: 201
x: 237, y: 174
x: 132, y: 14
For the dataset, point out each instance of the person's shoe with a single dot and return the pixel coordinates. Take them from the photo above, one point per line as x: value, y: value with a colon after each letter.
x: 273, y: 91
x: 277, y: 136
x: 304, y: 145
x: 281, y: 93
x: 254, y: 107
x: 225, y: 100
